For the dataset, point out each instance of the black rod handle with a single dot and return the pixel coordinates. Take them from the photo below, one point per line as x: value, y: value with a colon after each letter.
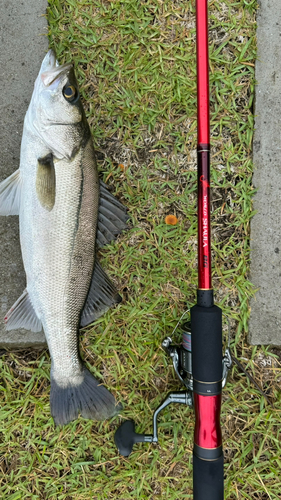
x: 206, y: 333
x: 207, y: 479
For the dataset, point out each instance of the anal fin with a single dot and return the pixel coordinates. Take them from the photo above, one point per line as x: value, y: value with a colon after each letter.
x: 101, y: 296
x: 22, y: 315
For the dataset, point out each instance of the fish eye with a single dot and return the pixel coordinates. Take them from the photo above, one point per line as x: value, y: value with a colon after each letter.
x: 70, y: 93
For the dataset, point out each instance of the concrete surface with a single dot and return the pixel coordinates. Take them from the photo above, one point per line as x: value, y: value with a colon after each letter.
x: 22, y: 50
x: 265, y: 319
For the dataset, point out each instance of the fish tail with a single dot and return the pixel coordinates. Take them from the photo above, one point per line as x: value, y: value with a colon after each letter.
x: 89, y: 398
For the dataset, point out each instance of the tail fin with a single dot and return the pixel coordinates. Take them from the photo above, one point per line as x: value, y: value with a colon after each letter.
x: 89, y: 398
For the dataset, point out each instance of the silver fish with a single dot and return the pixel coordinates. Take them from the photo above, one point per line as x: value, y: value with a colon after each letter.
x: 64, y: 212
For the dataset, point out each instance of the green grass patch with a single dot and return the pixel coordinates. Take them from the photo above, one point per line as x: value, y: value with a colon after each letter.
x: 135, y: 62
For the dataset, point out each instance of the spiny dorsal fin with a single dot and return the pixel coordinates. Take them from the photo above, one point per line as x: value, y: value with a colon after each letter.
x: 112, y: 217
x: 10, y: 190
x: 101, y: 296
x: 22, y: 315
x: 46, y: 182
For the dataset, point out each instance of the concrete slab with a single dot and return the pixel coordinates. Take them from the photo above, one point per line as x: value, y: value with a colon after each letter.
x: 265, y: 319
x: 22, y: 50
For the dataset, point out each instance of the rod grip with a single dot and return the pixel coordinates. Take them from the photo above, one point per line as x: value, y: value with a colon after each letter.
x: 207, y: 479
x: 206, y: 334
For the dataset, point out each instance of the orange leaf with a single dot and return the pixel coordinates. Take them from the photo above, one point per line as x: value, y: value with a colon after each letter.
x: 171, y: 220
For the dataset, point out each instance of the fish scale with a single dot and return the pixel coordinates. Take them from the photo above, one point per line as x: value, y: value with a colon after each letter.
x: 59, y: 294
x: 63, y: 213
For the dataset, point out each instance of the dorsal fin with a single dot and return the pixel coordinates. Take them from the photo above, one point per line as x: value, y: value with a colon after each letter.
x: 101, y: 296
x: 112, y: 217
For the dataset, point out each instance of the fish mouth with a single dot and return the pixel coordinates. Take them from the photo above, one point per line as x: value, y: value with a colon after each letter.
x: 51, y: 72
x: 49, y: 61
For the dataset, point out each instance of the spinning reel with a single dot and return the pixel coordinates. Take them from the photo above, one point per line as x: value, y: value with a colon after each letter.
x: 126, y: 436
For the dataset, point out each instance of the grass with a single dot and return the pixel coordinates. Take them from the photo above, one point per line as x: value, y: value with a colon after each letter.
x: 135, y: 63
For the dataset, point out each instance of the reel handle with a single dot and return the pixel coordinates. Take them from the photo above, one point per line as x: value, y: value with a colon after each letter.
x: 125, y: 438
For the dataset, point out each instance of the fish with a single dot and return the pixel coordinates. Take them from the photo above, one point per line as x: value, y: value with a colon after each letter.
x: 65, y: 214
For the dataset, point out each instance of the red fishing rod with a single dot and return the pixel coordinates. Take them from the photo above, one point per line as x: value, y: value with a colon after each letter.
x: 206, y: 318
x: 198, y: 361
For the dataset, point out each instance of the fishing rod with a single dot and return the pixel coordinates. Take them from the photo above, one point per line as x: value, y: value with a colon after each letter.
x: 198, y: 361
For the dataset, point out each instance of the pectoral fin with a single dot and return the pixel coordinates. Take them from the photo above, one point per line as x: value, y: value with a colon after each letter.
x: 22, y: 315
x: 101, y: 296
x: 46, y: 182
x: 10, y: 190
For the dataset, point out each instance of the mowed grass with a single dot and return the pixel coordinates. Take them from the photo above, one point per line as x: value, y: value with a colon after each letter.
x: 135, y: 62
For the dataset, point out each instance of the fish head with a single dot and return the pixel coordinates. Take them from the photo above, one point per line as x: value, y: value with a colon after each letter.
x: 56, y: 113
